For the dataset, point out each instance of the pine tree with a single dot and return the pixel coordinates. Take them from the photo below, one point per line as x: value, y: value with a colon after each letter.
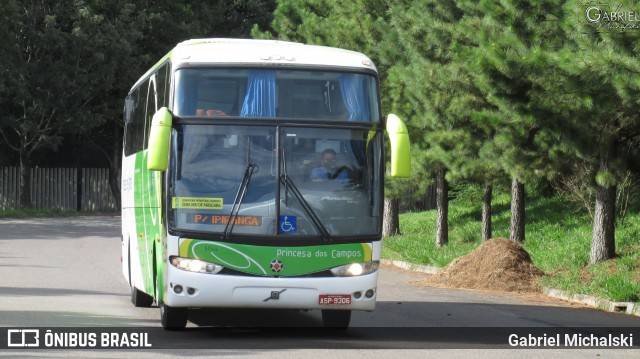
x: 507, y: 60
x: 600, y: 68
x: 443, y: 102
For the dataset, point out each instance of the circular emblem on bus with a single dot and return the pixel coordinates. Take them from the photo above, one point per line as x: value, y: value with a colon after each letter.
x: 276, y: 265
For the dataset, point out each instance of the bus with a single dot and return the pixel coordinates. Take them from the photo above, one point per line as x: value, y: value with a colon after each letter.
x: 253, y: 177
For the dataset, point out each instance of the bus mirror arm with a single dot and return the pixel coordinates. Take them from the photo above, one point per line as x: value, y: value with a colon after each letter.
x: 159, y: 136
x: 400, y: 147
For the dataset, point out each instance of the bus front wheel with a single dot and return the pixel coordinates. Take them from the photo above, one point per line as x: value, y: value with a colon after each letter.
x: 338, y: 319
x: 173, y: 318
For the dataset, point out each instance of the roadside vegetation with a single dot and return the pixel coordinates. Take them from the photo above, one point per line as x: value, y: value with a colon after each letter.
x: 558, y: 237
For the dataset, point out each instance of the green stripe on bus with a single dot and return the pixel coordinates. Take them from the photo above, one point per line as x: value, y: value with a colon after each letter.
x: 275, y: 260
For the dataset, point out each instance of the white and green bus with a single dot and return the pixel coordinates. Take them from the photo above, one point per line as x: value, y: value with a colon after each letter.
x: 253, y: 177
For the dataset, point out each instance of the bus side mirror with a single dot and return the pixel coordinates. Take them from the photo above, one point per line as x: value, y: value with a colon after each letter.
x: 400, y: 147
x: 158, y: 152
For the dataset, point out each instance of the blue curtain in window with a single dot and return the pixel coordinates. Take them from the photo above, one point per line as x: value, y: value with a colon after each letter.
x: 260, y: 100
x: 353, y: 95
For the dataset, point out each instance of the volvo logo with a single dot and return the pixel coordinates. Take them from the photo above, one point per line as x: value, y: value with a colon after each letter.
x: 275, y: 295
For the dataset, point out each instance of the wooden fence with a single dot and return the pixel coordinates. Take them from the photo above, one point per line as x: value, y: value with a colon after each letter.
x: 411, y: 202
x: 85, y: 189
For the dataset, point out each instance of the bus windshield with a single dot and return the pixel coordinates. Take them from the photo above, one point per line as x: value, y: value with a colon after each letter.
x: 326, y: 180
x: 291, y: 94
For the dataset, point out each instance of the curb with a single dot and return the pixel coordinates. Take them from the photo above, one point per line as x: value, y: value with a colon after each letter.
x: 410, y: 266
x: 631, y: 308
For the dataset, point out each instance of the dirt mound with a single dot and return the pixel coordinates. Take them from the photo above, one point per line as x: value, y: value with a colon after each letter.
x: 498, y: 264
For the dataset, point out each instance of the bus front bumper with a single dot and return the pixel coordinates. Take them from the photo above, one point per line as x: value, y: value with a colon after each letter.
x: 199, y: 290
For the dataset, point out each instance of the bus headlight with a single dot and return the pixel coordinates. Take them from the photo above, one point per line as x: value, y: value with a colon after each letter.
x: 195, y: 265
x: 355, y: 269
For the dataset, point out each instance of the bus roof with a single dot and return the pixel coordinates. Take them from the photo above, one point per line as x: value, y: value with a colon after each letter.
x: 259, y: 52
x: 264, y: 52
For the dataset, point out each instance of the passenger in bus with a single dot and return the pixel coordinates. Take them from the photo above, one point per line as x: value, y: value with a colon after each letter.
x: 329, y: 169
x: 212, y: 113
x: 200, y: 112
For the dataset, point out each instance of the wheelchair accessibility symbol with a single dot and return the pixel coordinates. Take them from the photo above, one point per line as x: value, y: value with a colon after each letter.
x: 288, y: 224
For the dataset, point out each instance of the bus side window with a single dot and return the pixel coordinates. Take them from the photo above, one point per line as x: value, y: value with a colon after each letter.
x: 162, y: 86
x: 151, y: 108
x: 135, y: 128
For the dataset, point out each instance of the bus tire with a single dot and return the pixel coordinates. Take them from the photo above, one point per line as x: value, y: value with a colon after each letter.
x: 140, y: 298
x: 338, y: 319
x: 173, y: 318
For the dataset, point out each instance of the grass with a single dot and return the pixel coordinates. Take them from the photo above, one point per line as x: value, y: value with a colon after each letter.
x: 558, y: 239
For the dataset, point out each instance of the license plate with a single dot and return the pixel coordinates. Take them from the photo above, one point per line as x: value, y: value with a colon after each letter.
x: 334, y: 299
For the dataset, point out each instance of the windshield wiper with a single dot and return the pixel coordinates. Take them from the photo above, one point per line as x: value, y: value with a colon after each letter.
x: 286, y: 180
x: 237, y: 202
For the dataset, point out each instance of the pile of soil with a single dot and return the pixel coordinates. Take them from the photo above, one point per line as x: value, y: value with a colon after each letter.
x: 498, y: 264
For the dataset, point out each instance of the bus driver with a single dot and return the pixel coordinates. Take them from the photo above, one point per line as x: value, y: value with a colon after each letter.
x: 329, y: 170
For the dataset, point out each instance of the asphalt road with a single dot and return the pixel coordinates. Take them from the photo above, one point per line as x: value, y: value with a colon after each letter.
x: 66, y: 273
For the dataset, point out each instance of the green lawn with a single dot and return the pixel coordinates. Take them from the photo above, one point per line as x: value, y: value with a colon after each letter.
x: 558, y: 239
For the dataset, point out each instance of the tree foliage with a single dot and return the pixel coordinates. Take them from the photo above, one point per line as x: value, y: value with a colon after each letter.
x: 67, y: 65
x: 59, y: 62
x: 600, y: 73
